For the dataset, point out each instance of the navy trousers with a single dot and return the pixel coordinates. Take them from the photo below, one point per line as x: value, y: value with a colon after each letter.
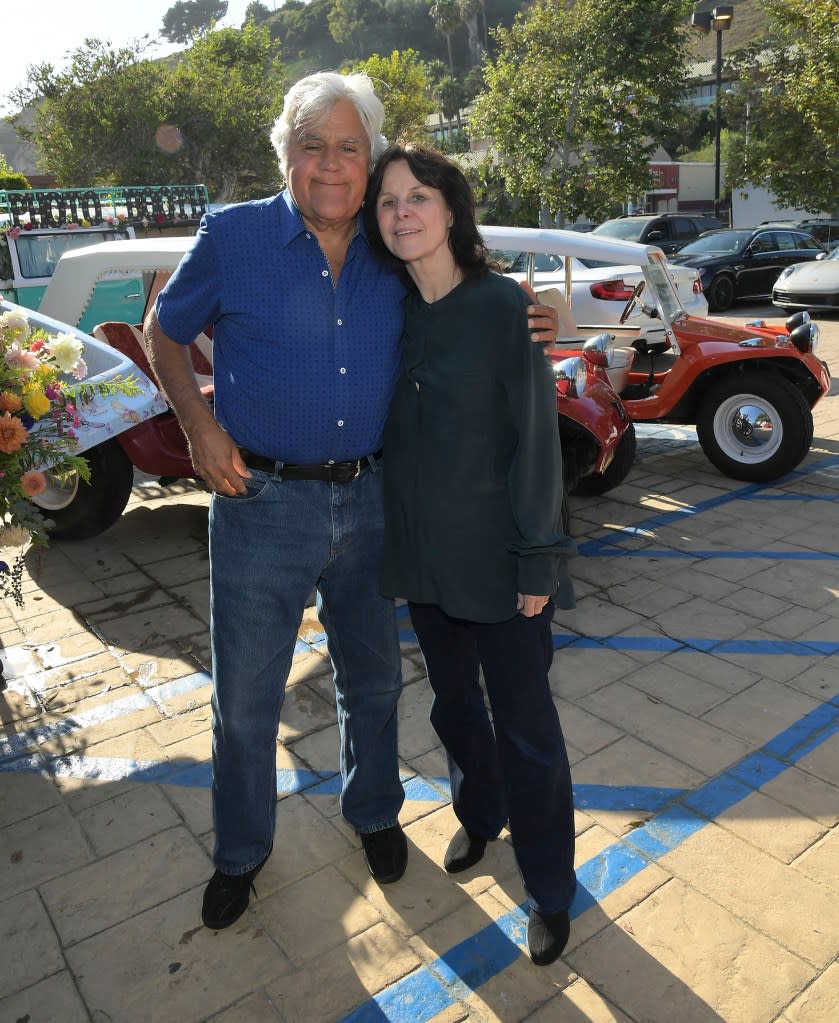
x: 518, y: 771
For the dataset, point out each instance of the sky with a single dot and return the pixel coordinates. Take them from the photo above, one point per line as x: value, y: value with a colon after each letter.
x: 59, y: 27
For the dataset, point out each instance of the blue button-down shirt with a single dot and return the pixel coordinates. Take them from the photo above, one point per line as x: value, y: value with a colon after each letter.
x: 303, y: 372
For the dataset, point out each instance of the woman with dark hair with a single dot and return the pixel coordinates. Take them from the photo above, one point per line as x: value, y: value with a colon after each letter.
x: 473, y: 534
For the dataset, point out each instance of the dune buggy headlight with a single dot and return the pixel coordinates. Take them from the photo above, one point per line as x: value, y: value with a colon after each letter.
x: 600, y: 349
x: 571, y: 377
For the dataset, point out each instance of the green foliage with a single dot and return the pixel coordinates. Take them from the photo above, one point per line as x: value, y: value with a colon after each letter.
x: 785, y: 109
x: 10, y: 178
x: 403, y: 85
x: 354, y: 22
x: 189, y: 18
x: 114, y: 117
x: 495, y: 205
x: 577, y: 98
x: 457, y: 142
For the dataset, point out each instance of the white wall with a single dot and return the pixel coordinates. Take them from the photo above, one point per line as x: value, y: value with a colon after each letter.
x: 750, y: 207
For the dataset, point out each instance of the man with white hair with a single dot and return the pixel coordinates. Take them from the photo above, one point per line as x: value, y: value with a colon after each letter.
x: 306, y: 329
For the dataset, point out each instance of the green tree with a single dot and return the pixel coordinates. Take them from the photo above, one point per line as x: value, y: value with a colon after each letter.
x: 403, y: 85
x: 95, y: 122
x: 352, y: 21
x: 447, y: 19
x: 577, y: 98
x: 224, y: 96
x: 451, y: 96
x: 785, y: 107
x: 112, y: 118
x: 189, y: 18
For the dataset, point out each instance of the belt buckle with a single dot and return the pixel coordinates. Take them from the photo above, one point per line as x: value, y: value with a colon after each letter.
x: 357, y: 469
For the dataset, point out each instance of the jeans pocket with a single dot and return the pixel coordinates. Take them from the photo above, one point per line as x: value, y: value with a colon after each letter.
x: 255, y: 487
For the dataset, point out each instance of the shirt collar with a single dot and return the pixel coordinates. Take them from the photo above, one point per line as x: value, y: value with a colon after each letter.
x: 292, y: 224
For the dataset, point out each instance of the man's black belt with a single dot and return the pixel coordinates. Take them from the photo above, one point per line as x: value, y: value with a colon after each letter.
x: 331, y: 472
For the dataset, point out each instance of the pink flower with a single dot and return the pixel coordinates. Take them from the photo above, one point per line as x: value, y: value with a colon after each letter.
x: 36, y: 345
x: 20, y: 358
x: 80, y: 372
x: 33, y: 482
x: 14, y: 232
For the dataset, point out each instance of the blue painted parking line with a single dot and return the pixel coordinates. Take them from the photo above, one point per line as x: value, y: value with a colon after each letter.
x: 471, y: 963
x: 155, y: 696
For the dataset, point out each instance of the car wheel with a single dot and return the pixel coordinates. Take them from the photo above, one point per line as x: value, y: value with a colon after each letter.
x: 81, y: 510
x: 720, y: 294
x: 597, y: 483
x: 754, y: 426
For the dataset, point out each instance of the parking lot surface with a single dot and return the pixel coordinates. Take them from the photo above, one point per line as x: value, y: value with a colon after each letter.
x: 698, y: 686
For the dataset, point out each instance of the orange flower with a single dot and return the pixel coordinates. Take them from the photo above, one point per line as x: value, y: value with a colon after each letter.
x: 12, y: 434
x: 33, y: 482
x: 10, y: 402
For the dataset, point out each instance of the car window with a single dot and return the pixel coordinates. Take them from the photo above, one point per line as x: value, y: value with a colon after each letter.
x: 767, y: 241
x: 683, y: 229
x: 628, y: 230
x: 39, y: 253
x: 659, y: 227
x: 805, y: 241
x: 723, y: 242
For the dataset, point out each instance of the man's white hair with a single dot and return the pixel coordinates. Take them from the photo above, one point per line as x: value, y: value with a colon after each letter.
x: 311, y: 99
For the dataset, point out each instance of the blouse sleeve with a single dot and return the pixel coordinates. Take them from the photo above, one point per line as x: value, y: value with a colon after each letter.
x: 535, y: 477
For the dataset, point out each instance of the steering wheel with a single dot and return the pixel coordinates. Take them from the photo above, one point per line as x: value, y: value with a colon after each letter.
x: 633, y: 301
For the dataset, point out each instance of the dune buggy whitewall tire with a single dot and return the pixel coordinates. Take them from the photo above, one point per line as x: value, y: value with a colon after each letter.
x: 754, y: 426
x: 81, y: 510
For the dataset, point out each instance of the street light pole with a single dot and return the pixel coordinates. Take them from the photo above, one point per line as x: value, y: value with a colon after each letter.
x: 718, y: 20
x: 717, y: 126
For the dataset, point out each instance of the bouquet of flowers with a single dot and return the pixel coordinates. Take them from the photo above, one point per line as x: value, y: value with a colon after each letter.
x: 42, y: 400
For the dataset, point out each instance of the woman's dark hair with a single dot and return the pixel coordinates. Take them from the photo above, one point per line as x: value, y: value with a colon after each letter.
x: 437, y: 171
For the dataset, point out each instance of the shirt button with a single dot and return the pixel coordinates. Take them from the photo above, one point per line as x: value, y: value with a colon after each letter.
x: 340, y: 422
x: 324, y: 273
x: 343, y: 369
x: 340, y: 323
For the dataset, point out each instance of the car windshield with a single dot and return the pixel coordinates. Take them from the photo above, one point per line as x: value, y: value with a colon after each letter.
x: 717, y: 242
x: 628, y: 230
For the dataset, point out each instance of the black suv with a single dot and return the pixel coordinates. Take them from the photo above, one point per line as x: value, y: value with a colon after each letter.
x: 669, y: 231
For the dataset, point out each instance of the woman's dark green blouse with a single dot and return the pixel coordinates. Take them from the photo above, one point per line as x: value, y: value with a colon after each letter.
x: 472, y: 459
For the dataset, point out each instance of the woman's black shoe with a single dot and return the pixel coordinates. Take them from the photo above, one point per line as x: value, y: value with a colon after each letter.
x: 547, y: 936
x: 464, y: 851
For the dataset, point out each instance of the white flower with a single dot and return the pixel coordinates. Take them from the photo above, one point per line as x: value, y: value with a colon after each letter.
x: 66, y: 351
x: 14, y: 325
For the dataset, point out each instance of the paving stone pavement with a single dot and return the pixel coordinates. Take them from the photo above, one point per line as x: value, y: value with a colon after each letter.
x: 698, y: 686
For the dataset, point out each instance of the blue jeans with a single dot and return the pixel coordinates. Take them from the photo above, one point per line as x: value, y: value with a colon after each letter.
x: 268, y: 549
x: 517, y: 771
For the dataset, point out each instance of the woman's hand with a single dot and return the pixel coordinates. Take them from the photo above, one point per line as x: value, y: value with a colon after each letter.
x: 530, y: 606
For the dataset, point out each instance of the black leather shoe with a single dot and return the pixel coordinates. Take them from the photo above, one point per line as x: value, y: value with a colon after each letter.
x: 464, y: 851
x: 226, y: 897
x: 386, y: 853
x: 547, y: 936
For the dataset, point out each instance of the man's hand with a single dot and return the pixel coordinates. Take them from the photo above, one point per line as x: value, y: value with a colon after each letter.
x: 530, y: 606
x: 217, y: 459
x: 543, y: 320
